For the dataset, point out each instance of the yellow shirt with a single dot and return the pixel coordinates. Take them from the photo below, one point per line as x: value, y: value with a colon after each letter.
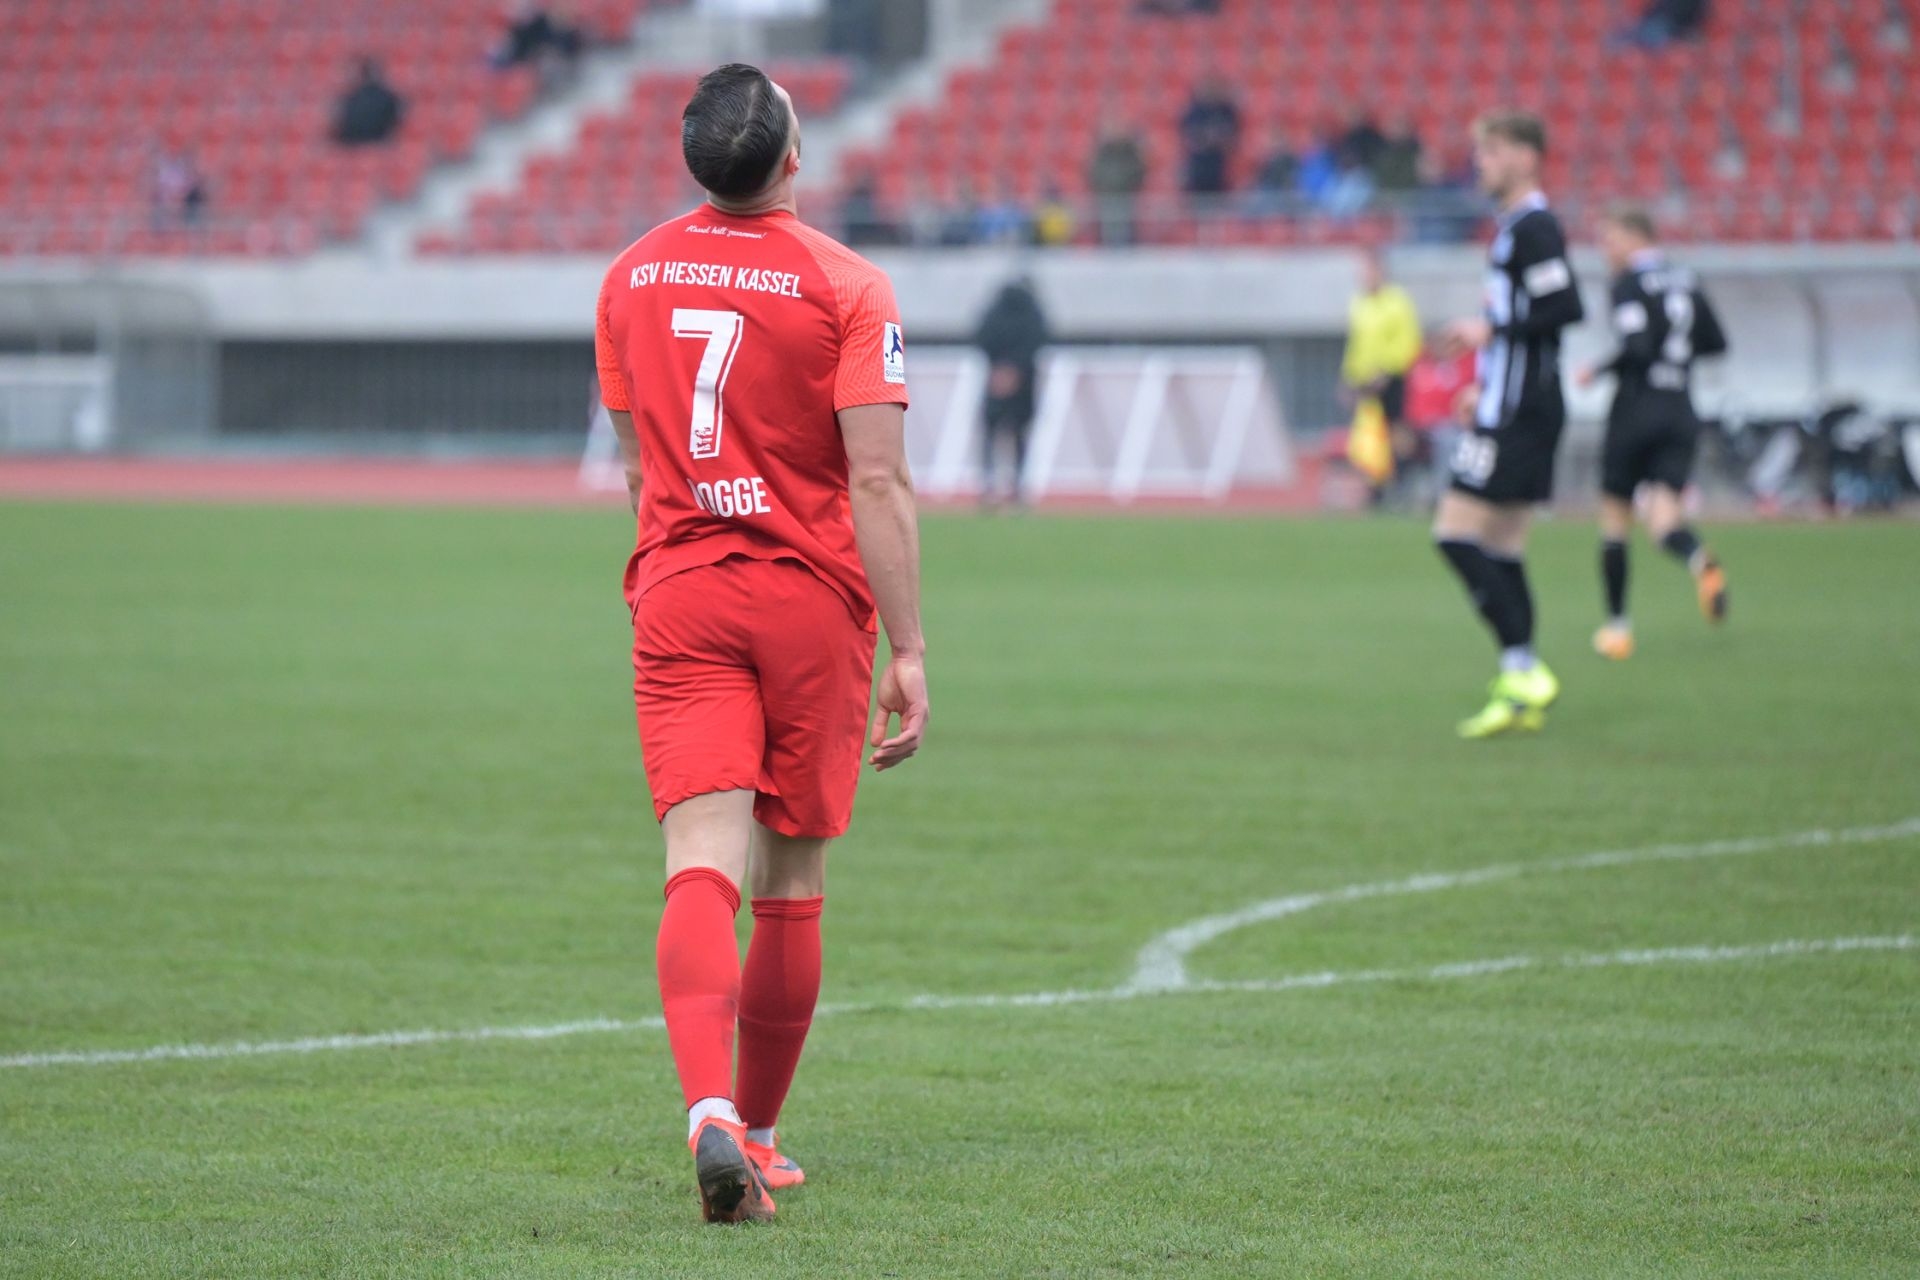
x: 1383, y: 335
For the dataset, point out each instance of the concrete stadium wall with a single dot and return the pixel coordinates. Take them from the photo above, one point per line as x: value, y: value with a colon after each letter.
x: 1804, y: 322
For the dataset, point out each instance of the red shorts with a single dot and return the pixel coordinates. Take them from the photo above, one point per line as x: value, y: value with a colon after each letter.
x: 751, y: 675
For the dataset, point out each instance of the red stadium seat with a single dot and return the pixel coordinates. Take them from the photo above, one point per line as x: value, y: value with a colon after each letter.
x: 93, y: 89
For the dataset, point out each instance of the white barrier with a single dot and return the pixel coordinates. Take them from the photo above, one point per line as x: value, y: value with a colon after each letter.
x: 1111, y: 422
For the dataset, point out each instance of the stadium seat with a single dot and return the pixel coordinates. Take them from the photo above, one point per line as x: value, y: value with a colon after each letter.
x: 247, y: 87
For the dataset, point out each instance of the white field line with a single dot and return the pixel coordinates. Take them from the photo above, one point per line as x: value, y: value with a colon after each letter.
x: 1162, y: 964
x: 1161, y: 969
x: 1028, y: 1000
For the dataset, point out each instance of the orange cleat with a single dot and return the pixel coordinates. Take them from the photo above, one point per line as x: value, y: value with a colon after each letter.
x: 780, y: 1172
x: 1613, y: 641
x: 732, y: 1188
x: 1712, y: 585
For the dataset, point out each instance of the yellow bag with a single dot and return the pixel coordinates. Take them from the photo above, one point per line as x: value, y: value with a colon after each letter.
x: 1369, y: 445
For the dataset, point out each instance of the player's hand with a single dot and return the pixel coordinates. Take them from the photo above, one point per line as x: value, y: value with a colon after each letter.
x: 1467, y: 334
x: 1584, y: 376
x: 903, y: 693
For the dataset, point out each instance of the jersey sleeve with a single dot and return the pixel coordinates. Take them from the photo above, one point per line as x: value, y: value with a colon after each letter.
x: 1638, y: 321
x: 1543, y: 272
x: 606, y: 356
x: 873, y: 351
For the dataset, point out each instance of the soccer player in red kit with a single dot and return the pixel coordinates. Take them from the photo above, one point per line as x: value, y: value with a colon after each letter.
x: 756, y: 376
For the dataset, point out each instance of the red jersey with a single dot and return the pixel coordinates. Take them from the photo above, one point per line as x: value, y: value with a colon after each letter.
x: 1433, y: 385
x: 734, y: 341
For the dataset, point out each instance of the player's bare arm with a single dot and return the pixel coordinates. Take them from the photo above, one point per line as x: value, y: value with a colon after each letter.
x: 629, y: 453
x: 886, y: 527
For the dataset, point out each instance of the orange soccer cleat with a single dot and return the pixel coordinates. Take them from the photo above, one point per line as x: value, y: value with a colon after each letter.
x: 1712, y: 584
x: 779, y: 1171
x: 1615, y: 641
x: 732, y: 1188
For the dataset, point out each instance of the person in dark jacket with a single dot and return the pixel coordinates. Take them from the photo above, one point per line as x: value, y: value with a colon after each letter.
x: 1011, y: 335
x: 1210, y: 132
x: 370, y: 111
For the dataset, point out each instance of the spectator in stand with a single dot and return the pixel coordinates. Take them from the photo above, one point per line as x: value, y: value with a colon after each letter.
x: 177, y: 190
x: 1356, y: 150
x: 1362, y: 142
x: 925, y: 220
x: 1276, y: 183
x: 1002, y: 220
x: 1053, y: 222
x: 1663, y: 22
x: 1318, y: 170
x: 370, y: 111
x: 1011, y: 336
x: 1210, y: 132
x: 535, y: 35
x: 861, y: 220
x: 1115, y: 176
x: 961, y: 220
x: 1396, y: 167
x: 1451, y: 209
x: 1352, y: 187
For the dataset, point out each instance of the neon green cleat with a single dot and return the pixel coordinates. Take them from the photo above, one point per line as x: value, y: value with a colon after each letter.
x: 1503, y: 714
x: 1536, y: 689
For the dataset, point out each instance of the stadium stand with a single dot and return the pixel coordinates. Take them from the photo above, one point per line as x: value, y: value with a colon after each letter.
x: 623, y: 173
x: 99, y: 90
x: 1784, y: 121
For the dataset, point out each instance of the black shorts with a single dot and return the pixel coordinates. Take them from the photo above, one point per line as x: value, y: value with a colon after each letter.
x: 1393, y: 399
x: 1510, y: 464
x: 1648, y: 449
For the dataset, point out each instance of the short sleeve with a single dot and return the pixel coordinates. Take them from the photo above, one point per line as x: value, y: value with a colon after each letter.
x: 606, y: 356
x: 873, y: 350
x: 1540, y: 257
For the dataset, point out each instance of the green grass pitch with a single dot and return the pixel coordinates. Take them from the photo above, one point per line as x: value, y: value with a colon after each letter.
x: 272, y: 773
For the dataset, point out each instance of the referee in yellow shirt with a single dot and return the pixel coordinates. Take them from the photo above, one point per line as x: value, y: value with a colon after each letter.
x: 1383, y: 341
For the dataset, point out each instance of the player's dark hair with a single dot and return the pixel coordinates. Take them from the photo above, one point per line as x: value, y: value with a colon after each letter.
x: 1633, y: 219
x: 1521, y: 127
x: 734, y: 131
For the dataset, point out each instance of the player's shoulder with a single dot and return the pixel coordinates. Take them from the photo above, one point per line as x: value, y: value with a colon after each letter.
x: 648, y: 243
x: 1539, y: 225
x: 847, y: 269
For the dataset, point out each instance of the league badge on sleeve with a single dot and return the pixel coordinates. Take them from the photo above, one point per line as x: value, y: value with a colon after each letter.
x: 893, y: 356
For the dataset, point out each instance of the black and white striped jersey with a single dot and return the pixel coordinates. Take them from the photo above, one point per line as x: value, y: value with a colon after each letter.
x: 1665, y: 322
x: 1531, y: 296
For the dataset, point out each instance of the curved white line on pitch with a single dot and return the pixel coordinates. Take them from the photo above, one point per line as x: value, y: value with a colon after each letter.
x: 1030, y: 1000
x: 1162, y: 964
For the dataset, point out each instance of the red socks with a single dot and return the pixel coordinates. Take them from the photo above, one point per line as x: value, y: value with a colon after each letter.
x: 699, y: 964
x: 777, y: 995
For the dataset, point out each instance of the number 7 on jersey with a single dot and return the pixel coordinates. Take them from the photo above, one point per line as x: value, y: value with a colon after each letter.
x: 722, y: 330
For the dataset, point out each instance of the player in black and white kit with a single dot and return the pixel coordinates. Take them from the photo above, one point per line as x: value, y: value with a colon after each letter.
x: 1665, y: 323
x: 1504, y: 466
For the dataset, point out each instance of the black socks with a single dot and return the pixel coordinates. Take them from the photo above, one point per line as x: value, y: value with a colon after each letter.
x: 1681, y: 544
x: 1613, y: 571
x: 1498, y: 589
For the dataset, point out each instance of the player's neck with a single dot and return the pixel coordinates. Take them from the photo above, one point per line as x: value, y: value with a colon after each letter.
x: 776, y: 199
x: 1520, y: 196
